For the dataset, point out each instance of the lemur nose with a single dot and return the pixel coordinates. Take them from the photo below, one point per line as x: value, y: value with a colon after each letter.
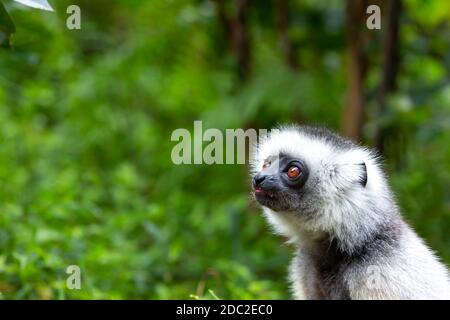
x: 258, y: 179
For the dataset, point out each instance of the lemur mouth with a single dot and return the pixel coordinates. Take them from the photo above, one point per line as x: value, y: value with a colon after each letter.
x: 259, y: 192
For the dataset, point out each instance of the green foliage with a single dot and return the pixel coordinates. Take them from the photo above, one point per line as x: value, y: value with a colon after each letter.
x: 7, y: 27
x: 85, y: 170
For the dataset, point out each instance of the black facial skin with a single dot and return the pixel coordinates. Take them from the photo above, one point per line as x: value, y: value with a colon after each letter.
x: 273, y: 188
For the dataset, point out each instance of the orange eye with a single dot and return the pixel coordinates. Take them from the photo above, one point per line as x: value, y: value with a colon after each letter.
x: 293, y: 172
x: 266, y: 165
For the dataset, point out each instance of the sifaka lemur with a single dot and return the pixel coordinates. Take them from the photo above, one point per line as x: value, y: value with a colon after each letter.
x: 331, y: 199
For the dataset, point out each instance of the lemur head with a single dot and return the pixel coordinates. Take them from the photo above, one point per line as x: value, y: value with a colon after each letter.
x: 300, y: 168
x: 317, y: 177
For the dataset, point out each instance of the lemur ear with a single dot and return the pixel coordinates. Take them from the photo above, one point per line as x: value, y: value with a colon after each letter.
x: 363, y: 178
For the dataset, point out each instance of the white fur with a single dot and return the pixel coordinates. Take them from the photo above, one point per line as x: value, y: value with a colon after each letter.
x: 350, y: 214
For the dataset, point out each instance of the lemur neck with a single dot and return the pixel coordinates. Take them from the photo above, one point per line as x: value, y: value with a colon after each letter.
x: 351, y: 243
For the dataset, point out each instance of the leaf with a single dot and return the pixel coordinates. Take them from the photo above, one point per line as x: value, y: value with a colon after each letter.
x: 7, y: 27
x: 39, y: 4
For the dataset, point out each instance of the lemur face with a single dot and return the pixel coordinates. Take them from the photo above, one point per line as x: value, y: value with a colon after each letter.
x: 279, y: 184
x: 307, y: 170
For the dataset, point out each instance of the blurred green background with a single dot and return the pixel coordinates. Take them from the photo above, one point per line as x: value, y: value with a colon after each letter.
x: 86, y: 117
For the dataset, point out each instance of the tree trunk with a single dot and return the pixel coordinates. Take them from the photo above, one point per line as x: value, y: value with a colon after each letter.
x: 241, y: 38
x: 390, y: 63
x: 236, y: 30
x: 357, y: 62
x: 224, y: 21
x: 282, y: 22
